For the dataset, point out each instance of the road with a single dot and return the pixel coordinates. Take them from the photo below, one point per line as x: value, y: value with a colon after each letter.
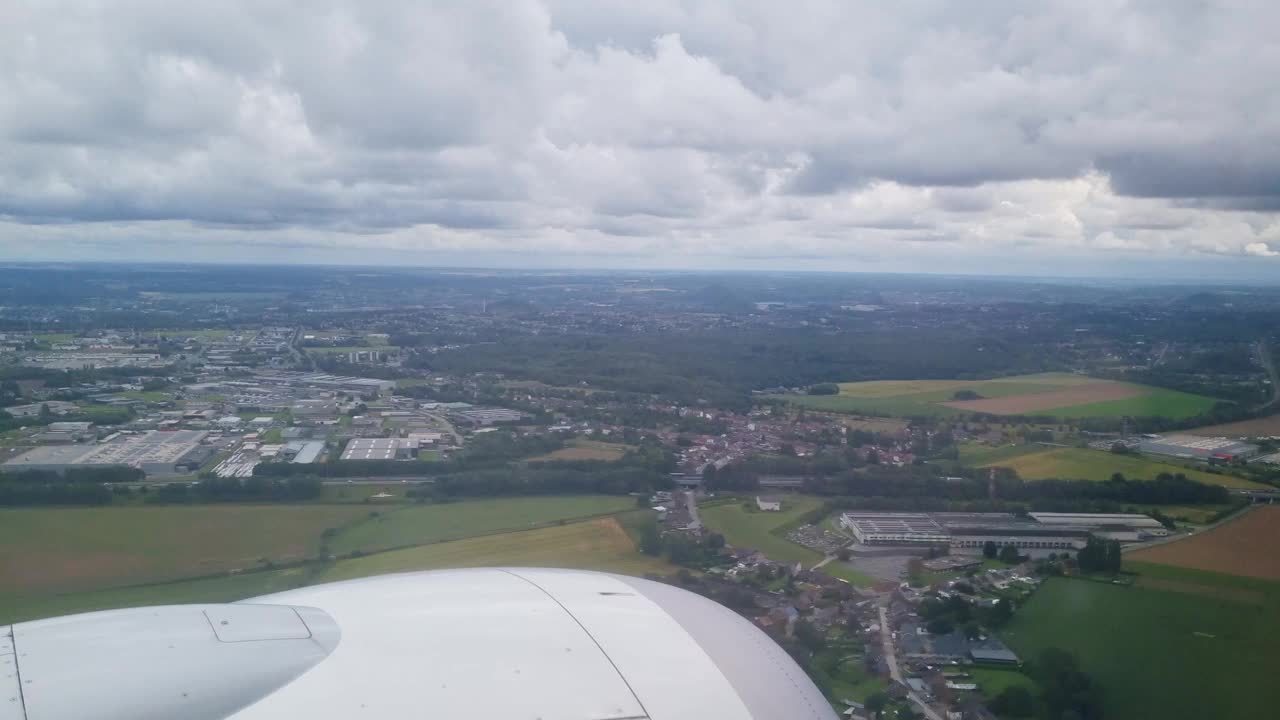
x: 448, y: 427
x: 891, y: 657
x: 695, y: 522
x: 1269, y: 364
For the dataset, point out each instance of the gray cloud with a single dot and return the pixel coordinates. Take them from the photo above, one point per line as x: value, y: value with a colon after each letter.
x: 706, y: 129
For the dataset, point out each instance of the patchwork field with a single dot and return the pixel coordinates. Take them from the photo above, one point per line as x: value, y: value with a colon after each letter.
x: 599, y: 544
x: 1085, y: 464
x: 1061, y: 395
x: 1243, y: 546
x: 1161, y: 653
x: 421, y: 524
x: 580, y: 449
x: 65, y: 549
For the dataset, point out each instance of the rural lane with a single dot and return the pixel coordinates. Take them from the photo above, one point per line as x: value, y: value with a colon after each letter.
x: 695, y: 522
x: 891, y: 657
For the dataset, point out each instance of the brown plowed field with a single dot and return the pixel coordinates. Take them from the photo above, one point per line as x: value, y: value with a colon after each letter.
x: 1244, y: 546
x: 1259, y: 427
x: 1038, y: 402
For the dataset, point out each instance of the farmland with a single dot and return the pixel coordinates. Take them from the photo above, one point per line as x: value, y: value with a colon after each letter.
x: 599, y: 544
x: 73, y: 560
x: 1159, y: 653
x: 421, y: 524
x: 1050, y: 394
x: 1258, y: 427
x: 580, y: 449
x: 58, y: 550
x: 1084, y: 464
x: 1233, y: 547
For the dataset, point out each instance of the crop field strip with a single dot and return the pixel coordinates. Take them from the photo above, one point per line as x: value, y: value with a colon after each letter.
x: 1052, y: 394
x: 1099, y: 465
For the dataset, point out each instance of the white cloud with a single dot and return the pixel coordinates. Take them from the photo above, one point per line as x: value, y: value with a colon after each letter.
x: 912, y: 135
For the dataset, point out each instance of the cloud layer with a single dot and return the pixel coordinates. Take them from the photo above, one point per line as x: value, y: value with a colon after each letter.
x: 905, y: 135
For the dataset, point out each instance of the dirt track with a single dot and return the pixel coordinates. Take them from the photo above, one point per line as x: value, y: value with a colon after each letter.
x: 1038, y: 402
x: 1244, y: 546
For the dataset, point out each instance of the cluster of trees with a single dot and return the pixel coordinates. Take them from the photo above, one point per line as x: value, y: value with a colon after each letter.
x: 1007, y: 554
x: 679, y: 548
x: 1063, y: 691
x: 943, y: 616
x: 76, y: 486
x: 236, y: 490
x: 540, y: 479
x: 721, y: 367
x: 824, y: 389
x: 1099, y: 555
x: 101, y: 416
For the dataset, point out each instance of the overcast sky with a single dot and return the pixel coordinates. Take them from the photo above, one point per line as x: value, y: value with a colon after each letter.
x: 1074, y: 137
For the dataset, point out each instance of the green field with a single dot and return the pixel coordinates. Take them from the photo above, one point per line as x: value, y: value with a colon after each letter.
x: 226, y: 588
x: 977, y: 454
x: 599, y: 544
x: 65, y: 549
x: 1164, y: 654
x: 762, y: 531
x: 925, y: 397
x: 421, y: 524
x: 55, y: 561
x: 755, y: 530
x: 1085, y: 464
x: 993, y: 681
x: 1158, y: 402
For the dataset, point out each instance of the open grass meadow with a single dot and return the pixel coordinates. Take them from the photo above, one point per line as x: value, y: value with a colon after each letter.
x: 583, y: 449
x: 757, y: 530
x: 1086, y: 464
x: 422, y: 524
x: 1063, y: 395
x: 972, y: 453
x: 1178, y: 644
x: 67, y: 549
x: 599, y: 544
x: 225, y: 588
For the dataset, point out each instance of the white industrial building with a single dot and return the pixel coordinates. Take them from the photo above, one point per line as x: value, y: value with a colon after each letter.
x: 1063, y: 531
x: 380, y: 449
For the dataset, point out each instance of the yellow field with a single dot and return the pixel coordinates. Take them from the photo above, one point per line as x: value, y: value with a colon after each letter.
x: 592, y: 545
